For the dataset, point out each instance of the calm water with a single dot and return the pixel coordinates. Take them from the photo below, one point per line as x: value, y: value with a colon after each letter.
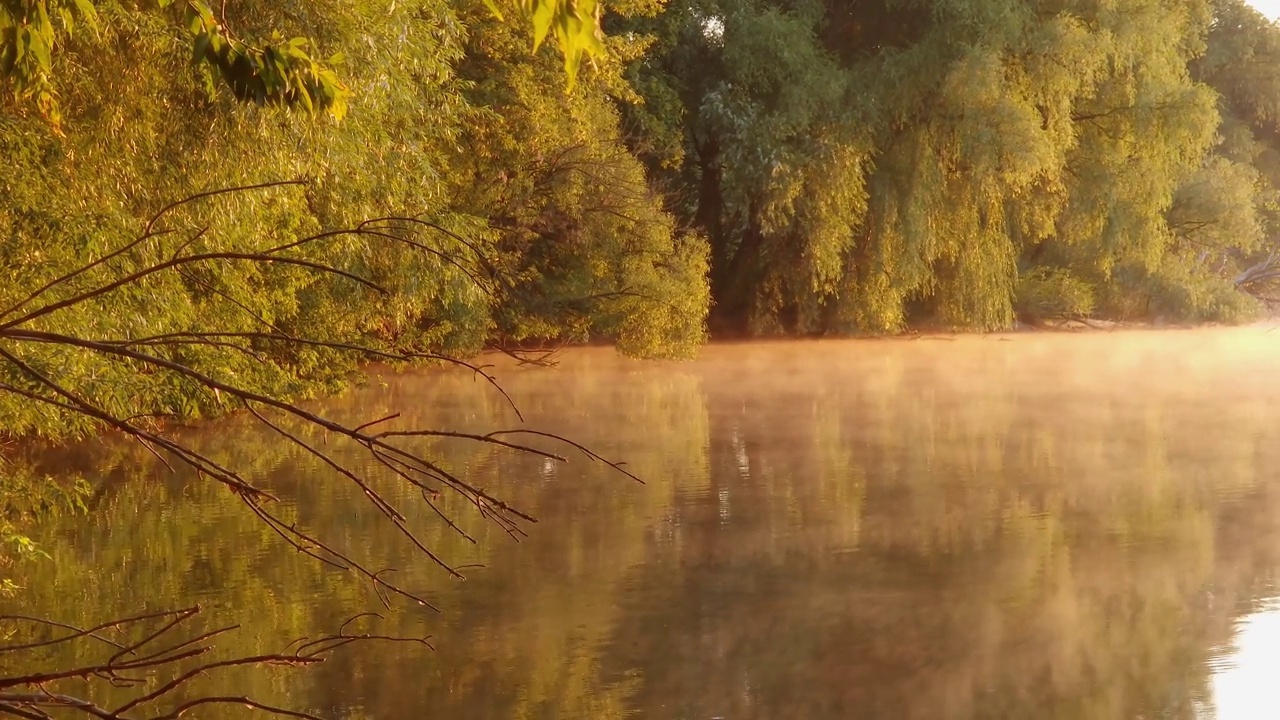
x: 1047, y: 526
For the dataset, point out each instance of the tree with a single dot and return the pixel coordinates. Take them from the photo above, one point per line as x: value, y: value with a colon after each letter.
x: 275, y: 70
x: 1240, y: 62
x: 65, y: 375
x: 865, y: 166
x: 581, y: 236
x: 129, y: 313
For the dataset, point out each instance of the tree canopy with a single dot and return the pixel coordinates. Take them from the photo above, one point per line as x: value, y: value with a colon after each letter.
x: 865, y: 166
x: 163, y: 237
x: 850, y: 167
x: 275, y: 71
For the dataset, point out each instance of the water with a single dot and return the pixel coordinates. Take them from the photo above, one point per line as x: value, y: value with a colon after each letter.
x: 1048, y: 526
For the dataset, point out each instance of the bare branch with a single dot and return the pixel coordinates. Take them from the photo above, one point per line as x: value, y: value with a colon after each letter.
x: 32, y: 696
x: 91, y: 632
x: 149, y: 233
x: 281, y: 337
x: 580, y: 448
x: 239, y: 700
x: 373, y: 232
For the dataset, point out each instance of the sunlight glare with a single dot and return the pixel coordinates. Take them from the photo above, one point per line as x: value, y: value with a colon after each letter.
x: 1244, y: 683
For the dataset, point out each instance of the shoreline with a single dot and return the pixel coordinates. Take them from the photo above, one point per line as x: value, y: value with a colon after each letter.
x: 14, y: 447
x: 1083, y: 327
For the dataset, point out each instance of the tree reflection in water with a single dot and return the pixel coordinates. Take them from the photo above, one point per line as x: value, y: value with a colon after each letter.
x: 1062, y: 526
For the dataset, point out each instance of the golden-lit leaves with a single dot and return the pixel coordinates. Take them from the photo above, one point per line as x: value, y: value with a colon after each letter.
x: 278, y: 72
x: 574, y: 24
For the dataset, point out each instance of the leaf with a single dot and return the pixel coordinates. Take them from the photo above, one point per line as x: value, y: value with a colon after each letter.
x: 338, y: 108
x: 200, y: 48
x: 207, y: 81
x: 87, y: 10
x: 205, y: 12
x: 40, y: 49
x: 544, y: 15
x: 42, y: 20
x: 304, y: 99
x: 20, y: 43
x: 493, y: 8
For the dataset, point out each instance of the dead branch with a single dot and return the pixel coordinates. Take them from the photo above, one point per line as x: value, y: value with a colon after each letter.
x: 1260, y: 272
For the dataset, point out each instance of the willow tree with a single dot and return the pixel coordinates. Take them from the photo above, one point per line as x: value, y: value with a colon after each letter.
x: 1241, y: 63
x: 581, y: 234
x: 860, y: 167
x: 745, y: 107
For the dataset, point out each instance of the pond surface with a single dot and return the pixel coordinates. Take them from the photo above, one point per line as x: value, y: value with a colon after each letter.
x: 1031, y: 526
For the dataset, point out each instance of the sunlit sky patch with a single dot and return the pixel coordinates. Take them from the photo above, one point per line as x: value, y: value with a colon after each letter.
x: 1270, y: 8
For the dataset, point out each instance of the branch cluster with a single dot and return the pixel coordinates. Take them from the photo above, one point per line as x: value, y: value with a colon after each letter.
x: 393, y: 451
x: 133, y: 653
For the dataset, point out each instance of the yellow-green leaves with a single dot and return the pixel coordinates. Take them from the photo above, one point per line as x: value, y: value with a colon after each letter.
x: 278, y: 72
x: 27, y: 39
x: 575, y: 25
x: 858, y: 166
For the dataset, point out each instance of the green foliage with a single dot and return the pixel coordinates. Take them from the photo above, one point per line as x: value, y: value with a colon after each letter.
x: 584, y: 245
x: 28, y: 33
x: 862, y: 168
x: 26, y: 498
x: 574, y: 245
x: 575, y: 24
x: 1052, y: 294
x: 280, y: 71
x: 1242, y: 62
x: 1177, y: 293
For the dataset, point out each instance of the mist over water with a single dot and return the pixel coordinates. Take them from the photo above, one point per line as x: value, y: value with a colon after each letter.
x: 1032, y: 525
